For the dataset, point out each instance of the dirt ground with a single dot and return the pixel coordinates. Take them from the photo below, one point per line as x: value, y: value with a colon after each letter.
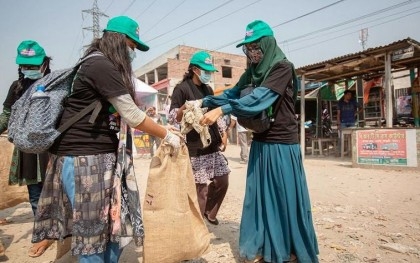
x: 360, y: 215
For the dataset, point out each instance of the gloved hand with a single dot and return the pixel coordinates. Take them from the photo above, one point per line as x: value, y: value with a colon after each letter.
x: 196, y: 103
x: 172, y: 139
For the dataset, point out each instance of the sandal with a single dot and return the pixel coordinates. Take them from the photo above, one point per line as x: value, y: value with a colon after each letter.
x: 258, y: 259
x: 213, y: 222
x: 39, y: 248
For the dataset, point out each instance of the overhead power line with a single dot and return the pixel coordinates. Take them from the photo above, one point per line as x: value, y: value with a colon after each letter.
x: 353, y: 32
x: 364, y: 23
x: 186, y: 23
x: 208, y: 23
x: 147, y: 8
x: 288, y: 21
x: 166, y: 15
x: 128, y: 7
x: 380, y: 11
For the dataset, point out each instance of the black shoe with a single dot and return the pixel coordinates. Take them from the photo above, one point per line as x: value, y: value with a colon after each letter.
x: 213, y: 222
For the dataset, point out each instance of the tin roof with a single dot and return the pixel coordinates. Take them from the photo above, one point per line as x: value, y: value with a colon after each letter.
x: 405, y: 54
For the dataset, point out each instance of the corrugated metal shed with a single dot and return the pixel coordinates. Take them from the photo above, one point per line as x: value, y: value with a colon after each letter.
x: 405, y: 54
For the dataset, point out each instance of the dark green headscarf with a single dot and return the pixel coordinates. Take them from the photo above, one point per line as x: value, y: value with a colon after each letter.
x: 257, y: 73
x: 272, y: 55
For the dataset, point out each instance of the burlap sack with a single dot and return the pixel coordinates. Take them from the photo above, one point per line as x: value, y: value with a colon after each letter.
x: 10, y: 195
x: 173, y: 225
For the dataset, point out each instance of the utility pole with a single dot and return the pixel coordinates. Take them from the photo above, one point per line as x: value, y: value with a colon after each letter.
x: 363, y: 36
x: 96, y: 13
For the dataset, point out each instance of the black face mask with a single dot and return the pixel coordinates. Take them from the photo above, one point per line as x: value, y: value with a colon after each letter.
x: 254, y: 55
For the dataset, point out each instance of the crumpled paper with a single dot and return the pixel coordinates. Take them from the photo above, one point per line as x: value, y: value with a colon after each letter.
x: 191, y: 121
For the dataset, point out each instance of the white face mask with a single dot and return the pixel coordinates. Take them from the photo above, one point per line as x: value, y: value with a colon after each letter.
x: 132, y: 54
x: 204, y: 76
x: 32, y: 73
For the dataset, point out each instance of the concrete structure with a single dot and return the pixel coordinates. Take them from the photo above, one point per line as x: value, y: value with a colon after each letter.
x: 167, y: 70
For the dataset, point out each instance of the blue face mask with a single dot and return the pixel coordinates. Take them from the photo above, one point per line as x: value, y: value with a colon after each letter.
x: 32, y: 73
x: 205, y: 76
x: 132, y: 54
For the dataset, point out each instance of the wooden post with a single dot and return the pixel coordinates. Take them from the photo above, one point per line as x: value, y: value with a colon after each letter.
x: 302, y: 117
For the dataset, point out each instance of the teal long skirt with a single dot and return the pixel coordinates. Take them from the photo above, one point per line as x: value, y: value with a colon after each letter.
x: 276, y: 217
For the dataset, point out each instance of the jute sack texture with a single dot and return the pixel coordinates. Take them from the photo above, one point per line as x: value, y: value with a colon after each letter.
x: 173, y: 225
x: 11, y: 195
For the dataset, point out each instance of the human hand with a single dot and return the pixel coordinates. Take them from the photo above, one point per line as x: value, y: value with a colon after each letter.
x: 210, y: 117
x: 172, y: 139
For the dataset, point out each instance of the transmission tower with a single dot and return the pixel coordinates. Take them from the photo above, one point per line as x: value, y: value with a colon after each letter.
x: 363, y: 36
x: 96, y: 13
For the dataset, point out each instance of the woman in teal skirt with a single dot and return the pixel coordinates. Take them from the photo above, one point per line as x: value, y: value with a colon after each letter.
x: 276, y: 224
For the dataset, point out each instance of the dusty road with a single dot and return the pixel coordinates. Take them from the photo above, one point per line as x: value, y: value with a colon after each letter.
x: 360, y: 215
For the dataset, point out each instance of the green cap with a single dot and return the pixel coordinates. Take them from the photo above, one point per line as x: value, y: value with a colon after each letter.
x: 29, y: 52
x: 128, y: 27
x: 255, y: 31
x: 203, y: 60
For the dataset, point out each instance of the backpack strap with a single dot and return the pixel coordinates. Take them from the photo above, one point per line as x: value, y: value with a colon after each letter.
x: 96, y: 106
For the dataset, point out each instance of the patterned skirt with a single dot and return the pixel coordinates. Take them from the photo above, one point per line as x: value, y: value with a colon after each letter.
x: 206, y: 167
x: 86, y: 212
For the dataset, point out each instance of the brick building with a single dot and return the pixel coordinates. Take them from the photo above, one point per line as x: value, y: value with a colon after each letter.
x: 167, y: 70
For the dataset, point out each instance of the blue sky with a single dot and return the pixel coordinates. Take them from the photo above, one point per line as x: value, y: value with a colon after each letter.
x: 308, y: 31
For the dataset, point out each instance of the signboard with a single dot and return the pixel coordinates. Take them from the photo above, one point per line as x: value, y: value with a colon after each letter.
x: 393, y: 147
x: 403, y: 53
x: 141, y: 142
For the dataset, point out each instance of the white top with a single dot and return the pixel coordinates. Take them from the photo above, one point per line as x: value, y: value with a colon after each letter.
x: 239, y: 128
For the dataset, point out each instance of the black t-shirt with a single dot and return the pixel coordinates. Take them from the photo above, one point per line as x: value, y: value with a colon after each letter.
x: 285, y: 126
x: 187, y: 90
x: 97, y: 78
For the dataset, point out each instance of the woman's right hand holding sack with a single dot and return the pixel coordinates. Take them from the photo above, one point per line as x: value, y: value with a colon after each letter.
x: 172, y: 139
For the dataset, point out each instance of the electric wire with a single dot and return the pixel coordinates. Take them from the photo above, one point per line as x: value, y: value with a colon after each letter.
x: 353, y: 19
x: 288, y: 21
x: 128, y: 7
x: 207, y: 24
x: 165, y: 16
x: 339, y: 30
x: 147, y: 8
x: 335, y: 37
x: 106, y: 9
x: 190, y: 21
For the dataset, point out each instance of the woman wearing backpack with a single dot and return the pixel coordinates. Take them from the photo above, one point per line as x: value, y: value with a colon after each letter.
x: 26, y: 168
x: 90, y: 191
